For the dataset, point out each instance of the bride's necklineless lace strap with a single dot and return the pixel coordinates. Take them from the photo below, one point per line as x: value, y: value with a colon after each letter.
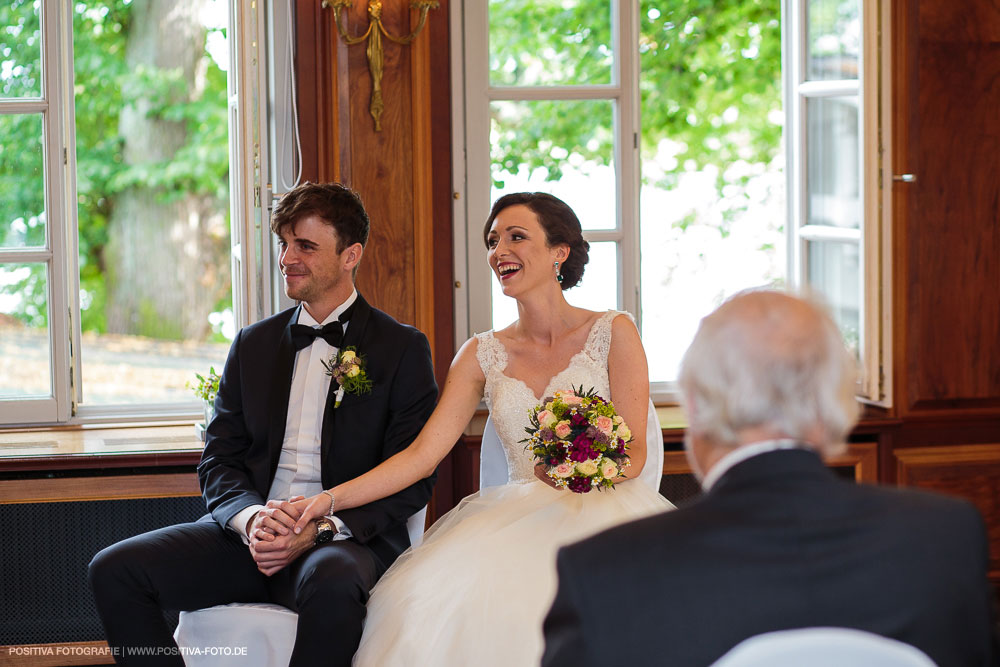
x: 490, y: 353
x: 598, y: 343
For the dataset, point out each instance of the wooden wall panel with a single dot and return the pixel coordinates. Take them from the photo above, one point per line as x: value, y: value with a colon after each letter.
x: 316, y: 60
x: 403, y: 172
x: 967, y: 471
x: 382, y: 163
x: 951, y: 238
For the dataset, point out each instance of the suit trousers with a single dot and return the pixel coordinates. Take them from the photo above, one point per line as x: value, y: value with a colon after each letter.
x: 197, y: 565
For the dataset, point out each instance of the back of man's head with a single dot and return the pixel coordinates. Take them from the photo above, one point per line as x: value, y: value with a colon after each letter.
x: 766, y: 360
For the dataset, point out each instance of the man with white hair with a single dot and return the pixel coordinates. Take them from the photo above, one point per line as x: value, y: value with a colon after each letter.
x: 777, y: 541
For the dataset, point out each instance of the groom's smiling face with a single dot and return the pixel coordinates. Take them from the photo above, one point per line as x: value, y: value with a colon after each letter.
x: 315, y: 268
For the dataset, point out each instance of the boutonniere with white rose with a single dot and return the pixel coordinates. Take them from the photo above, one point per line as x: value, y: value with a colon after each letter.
x: 347, y: 368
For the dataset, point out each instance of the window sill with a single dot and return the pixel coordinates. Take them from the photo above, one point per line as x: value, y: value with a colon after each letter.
x: 104, y: 446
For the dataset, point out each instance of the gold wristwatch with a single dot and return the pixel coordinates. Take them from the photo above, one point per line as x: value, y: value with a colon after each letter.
x: 325, y: 531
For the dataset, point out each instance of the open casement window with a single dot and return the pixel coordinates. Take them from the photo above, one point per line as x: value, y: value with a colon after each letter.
x: 133, y: 241
x: 707, y: 149
x: 838, y: 203
x: 35, y: 178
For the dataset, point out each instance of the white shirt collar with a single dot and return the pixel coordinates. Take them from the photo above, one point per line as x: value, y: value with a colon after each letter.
x: 742, y: 453
x: 309, y: 320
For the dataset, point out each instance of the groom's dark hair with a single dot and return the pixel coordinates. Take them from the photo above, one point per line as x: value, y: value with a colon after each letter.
x: 561, y: 226
x: 338, y: 205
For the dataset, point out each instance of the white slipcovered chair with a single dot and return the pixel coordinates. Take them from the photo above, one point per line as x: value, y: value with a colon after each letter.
x: 823, y: 647
x: 249, y: 634
x: 493, y: 464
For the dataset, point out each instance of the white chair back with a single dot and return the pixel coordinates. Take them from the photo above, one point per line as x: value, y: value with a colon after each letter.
x: 652, y: 472
x: 493, y: 463
x: 823, y: 647
x: 415, y: 526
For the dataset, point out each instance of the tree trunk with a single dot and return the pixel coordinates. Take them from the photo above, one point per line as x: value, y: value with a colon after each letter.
x: 166, y: 253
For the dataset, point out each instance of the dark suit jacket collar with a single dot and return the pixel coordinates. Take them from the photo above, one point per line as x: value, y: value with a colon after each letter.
x: 359, y: 320
x: 801, y: 465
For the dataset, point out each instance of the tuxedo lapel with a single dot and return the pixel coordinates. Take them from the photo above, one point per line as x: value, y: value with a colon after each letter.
x: 281, y: 386
x: 352, y: 337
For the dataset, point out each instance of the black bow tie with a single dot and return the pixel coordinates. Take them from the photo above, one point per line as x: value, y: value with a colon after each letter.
x: 303, y: 335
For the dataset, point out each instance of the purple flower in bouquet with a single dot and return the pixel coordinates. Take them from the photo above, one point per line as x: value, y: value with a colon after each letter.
x: 579, y: 484
x: 581, y: 449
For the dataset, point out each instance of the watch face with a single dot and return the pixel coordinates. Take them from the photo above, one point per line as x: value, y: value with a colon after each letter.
x: 324, y: 532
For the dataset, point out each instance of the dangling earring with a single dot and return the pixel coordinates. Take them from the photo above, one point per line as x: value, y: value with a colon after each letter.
x: 559, y: 276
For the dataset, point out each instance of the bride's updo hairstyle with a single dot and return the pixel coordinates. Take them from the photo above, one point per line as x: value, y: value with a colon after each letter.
x: 561, y: 226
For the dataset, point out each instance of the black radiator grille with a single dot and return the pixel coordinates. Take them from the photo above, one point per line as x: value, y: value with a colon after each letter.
x: 45, y: 550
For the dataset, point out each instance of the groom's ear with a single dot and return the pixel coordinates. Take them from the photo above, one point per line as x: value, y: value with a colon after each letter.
x: 351, y: 256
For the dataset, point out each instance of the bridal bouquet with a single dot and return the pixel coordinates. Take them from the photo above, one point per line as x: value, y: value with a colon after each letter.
x: 580, y: 438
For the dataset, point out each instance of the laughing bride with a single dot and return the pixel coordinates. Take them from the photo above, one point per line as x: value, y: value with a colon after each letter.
x: 478, y: 587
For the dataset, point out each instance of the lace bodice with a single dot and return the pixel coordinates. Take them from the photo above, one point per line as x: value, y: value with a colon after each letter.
x: 510, y: 399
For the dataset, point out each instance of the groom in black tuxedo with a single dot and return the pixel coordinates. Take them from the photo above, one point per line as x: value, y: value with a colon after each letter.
x: 777, y: 541
x: 278, y: 433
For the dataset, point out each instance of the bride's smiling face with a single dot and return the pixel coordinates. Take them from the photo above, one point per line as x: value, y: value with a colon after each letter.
x: 519, y: 253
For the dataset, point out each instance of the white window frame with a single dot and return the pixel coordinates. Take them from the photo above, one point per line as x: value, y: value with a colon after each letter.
x: 470, y: 113
x: 253, y: 266
x: 874, y: 235
x: 59, y: 190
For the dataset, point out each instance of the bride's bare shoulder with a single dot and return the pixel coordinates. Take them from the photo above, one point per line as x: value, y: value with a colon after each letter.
x: 507, y: 335
x: 466, y: 361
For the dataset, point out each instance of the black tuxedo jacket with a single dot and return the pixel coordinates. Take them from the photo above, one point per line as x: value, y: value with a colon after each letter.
x: 244, y: 440
x: 779, y: 542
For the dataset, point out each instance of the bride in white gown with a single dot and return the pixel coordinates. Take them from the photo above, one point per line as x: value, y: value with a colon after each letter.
x: 476, y: 590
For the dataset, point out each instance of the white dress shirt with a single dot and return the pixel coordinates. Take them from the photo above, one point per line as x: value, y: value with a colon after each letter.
x: 299, y: 470
x: 743, y: 453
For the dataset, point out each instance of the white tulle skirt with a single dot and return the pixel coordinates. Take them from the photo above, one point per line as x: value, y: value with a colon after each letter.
x: 478, y: 588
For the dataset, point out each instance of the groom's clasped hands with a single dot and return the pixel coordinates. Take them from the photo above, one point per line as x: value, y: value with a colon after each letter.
x: 273, y: 542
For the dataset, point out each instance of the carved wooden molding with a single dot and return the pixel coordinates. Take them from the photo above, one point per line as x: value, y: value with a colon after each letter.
x: 967, y: 471
x: 75, y: 489
x: 915, y: 463
x: 423, y: 195
x: 862, y: 456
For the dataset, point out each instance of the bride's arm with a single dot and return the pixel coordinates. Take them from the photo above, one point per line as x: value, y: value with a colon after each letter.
x: 629, y: 377
x: 462, y: 391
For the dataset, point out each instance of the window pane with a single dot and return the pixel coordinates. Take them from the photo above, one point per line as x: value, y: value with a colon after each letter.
x: 597, y: 291
x: 25, y: 370
x: 833, y: 164
x: 834, y: 269
x: 712, y: 198
x: 543, y: 147
x: 20, y: 49
x: 599, y: 288
x: 692, y: 259
x: 22, y: 204
x: 834, y: 39
x: 153, y: 162
x: 550, y: 42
